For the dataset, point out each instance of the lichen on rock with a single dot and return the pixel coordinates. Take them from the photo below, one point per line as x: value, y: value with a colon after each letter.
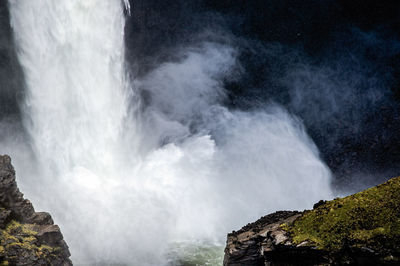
x: 26, y: 237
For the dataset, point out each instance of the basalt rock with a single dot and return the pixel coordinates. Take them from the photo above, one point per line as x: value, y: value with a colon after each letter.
x: 361, y: 229
x: 26, y: 237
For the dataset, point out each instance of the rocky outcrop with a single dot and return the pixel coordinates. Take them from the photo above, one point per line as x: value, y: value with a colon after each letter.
x: 361, y: 229
x: 26, y: 237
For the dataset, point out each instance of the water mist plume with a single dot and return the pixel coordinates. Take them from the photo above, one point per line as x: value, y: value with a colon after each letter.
x: 124, y: 165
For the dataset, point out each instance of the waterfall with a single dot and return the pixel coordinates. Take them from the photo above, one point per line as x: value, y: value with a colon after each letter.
x: 72, y: 54
x: 123, y: 184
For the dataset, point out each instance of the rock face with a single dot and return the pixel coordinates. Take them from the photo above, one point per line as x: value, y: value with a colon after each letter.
x: 361, y: 229
x: 26, y: 237
x: 248, y: 245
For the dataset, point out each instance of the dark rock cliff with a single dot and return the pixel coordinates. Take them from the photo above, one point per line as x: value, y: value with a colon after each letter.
x: 361, y: 229
x: 26, y: 237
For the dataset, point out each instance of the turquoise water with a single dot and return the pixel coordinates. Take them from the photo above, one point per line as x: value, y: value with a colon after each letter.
x: 195, y: 254
x: 182, y: 254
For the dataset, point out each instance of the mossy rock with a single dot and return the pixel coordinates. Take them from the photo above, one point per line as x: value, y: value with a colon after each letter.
x: 19, y: 240
x: 369, y: 219
x: 26, y: 237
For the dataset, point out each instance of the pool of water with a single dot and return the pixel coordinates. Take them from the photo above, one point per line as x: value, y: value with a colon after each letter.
x: 195, y: 254
x: 181, y: 254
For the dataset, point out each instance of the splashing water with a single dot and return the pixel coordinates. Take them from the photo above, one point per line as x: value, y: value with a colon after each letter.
x: 122, y: 181
x: 127, y: 6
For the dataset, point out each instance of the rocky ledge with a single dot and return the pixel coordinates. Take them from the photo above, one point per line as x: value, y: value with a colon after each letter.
x: 361, y: 229
x: 26, y: 237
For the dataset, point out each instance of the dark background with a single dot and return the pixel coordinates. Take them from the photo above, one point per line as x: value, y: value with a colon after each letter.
x: 335, y: 64
x: 11, y: 81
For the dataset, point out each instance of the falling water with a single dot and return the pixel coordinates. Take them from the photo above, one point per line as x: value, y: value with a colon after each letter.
x: 126, y: 183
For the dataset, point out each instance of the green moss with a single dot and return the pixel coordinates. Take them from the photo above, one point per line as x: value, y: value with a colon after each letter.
x: 45, y: 248
x: 23, y: 245
x: 16, y: 233
x: 24, y: 229
x: 22, y: 236
x: 371, y: 218
x: 29, y: 239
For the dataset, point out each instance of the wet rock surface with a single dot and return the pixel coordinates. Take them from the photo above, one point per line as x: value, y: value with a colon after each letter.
x: 361, y: 229
x: 249, y: 245
x: 26, y: 237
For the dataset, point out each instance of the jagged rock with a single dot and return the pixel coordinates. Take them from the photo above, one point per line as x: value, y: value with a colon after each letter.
x: 41, y: 218
x: 361, y: 229
x: 247, y: 246
x: 26, y: 237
